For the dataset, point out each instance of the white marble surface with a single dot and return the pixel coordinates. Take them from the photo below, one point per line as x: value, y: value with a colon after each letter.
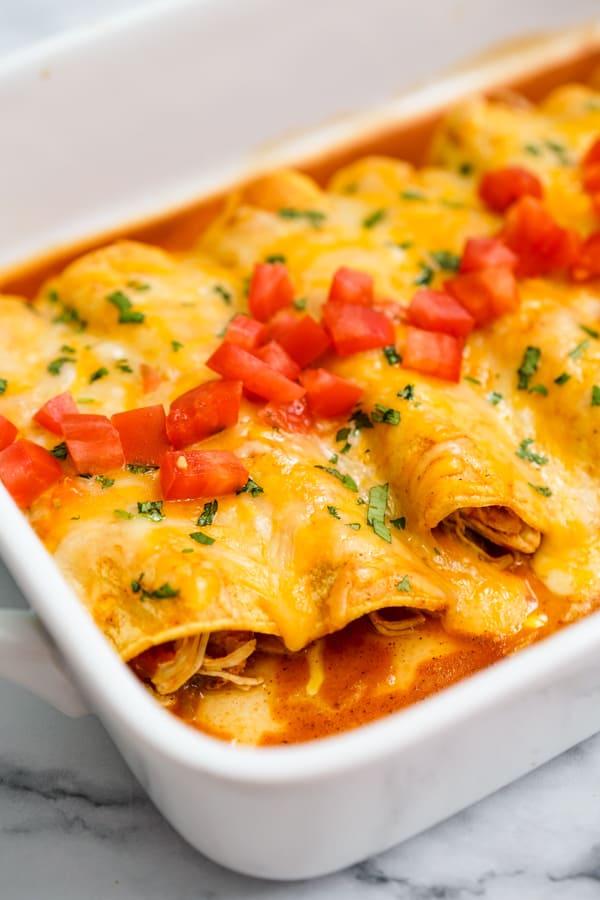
x: 74, y: 823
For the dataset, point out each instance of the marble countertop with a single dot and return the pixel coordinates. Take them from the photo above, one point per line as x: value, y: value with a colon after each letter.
x: 75, y: 824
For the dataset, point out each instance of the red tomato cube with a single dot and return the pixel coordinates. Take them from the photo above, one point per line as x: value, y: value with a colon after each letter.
x: 191, y: 474
x: 433, y: 353
x: 27, y: 470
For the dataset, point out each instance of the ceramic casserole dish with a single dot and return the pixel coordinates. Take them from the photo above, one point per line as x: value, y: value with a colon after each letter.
x: 304, y: 810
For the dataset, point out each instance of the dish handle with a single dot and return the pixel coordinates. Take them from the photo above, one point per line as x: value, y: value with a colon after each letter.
x: 29, y: 658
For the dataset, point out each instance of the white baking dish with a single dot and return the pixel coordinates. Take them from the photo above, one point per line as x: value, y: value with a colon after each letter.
x: 110, y: 127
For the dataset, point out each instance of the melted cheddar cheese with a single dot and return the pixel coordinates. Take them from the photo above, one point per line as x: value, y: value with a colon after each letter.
x: 491, y: 511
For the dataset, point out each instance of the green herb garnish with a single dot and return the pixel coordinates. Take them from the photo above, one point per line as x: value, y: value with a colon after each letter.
x: 123, y: 366
x: 399, y: 523
x: 392, y: 355
x: 445, y: 260
x: 3, y: 385
x: 176, y: 346
x: 139, y: 470
x: 525, y: 453
x: 360, y: 420
x: 276, y: 258
x: 123, y: 514
x: 127, y: 314
x: 55, y: 365
x: 471, y: 379
x: 102, y: 372
x: 207, y: 516
x: 299, y: 303
x: 579, y: 349
x: 494, y: 397
x: 404, y: 585
x: 412, y: 194
x: 562, y: 378
x: 223, y: 293
x: 333, y: 512
x: 252, y: 488
x: 539, y: 389
x: 591, y: 331
x: 378, y: 496
x: 346, y: 480
x: 151, y: 509
x: 374, y: 218
x: 425, y: 276
x: 314, y: 217
x: 385, y: 415
x: 202, y: 538
x: 407, y: 392
x: 104, y: 481
x: 529, y: 366
x: 541, y: 489
x: 60, y: 451
x: 595, y: 395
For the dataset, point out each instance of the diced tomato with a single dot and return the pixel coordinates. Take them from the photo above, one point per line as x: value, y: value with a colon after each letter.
x: 593, y: 154
x: 591, y: 178
x: 486, y: 294
x: 259, y: 378
x: 328, y: 394
x: 293, y: 417
x: 246, y: 332
x: 305, y: 340
x: 50, y: 414
x: 143, y: 434
x: 590, y: 168
x: 8, y: 432
x: 271, y: 289
x: 205, y: 410
x: 587, y: 263
x: 486, y: 253
x: 500, y: 188
x: 27, y: 470
x: 189, y: 474
x: 437, y: 311
x: 275, y: 356
x: 351, y: 286
x: 354, y: 328
x: 281, y: 322
x: 541, y: 244
x: 151, y: 378
x: 433, y: 353
x: 93, y: 443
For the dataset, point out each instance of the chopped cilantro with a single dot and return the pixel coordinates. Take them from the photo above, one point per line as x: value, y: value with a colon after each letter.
x: 579, y: 349
x: 223, y: 293
x: 560, y: 151
x: 202, y: 538
x: 164, y: 592
x: 471, y: 379
x: 445, y: 260
x: 333, y: 459
x: 343, y: 434
x: 314, y: 217
x: 123, y: 366
x: 67, y: 349
x: 360, y: 420
x: 104, y: 481
x: 374, y: 218
x: 52, y: 296
x: 425, y: 276
x: 591, y: 331
x: 494, y: 397
x: 562, y: 378
x: 3, y: 385
x: 152, y: 509
x: 176, y: 346
x: 399, y: 523
x: 136, y: 285
x: 385, y: 415
x: 59, y: 451
x: 407, y: 392
x: 139, y: 470
x: 299, y: 303
x: 127, y: 314
x: 355, y: 526
x: 333, y: 512
x: 123, y: 514
x: 207, y: 516
x: 404, y: 585
x: 70, y: 316
x: 595, y: 395
x: 276, y: 258
x: 465, y: 168
x: 392, y: 355
x: 346, y: 480
x: 102, y: 372
x: 539, y: 389
x: 251, y: 487
x: 533, y: 149
x: 412, y: 194
x: 529, y: 366
x: 55, y: 365
x: 187, y: 550
x: 525, y: 453
x: 378, y: 496
x: 86, y: 400
x: 541, y: 489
